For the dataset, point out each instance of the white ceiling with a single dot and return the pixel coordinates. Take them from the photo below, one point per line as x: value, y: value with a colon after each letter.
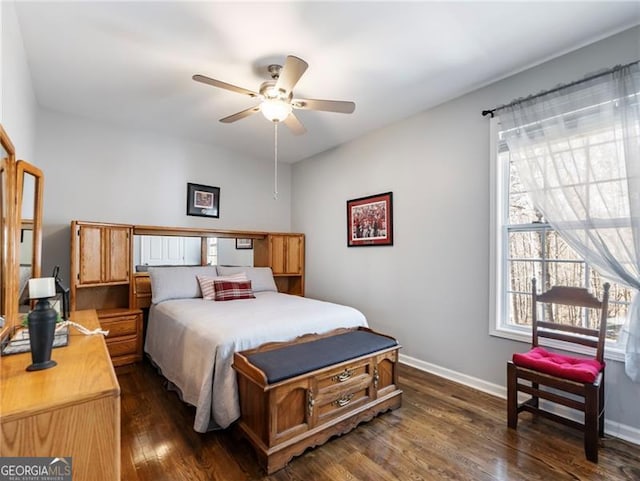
x: 131, y: 63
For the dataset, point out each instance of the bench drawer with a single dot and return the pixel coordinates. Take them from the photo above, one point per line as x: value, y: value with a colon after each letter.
x: 342, y: 390
x: 343, y: 376
x: 342, y: 404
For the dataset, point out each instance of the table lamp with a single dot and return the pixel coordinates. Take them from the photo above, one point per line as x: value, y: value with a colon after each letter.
x: 42, y: 323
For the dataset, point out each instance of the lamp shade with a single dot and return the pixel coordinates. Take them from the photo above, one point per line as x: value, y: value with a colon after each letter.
x: 42, y: 287
x: 275, y: 110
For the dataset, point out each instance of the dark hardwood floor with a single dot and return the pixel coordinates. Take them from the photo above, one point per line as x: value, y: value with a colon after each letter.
x: 443, y: 431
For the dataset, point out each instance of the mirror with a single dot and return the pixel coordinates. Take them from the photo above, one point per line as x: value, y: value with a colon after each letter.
x: 29, y: 235
x: 159, y: 250
x: 3, y: 236
x: 230, y: 253
x: 7, y: 186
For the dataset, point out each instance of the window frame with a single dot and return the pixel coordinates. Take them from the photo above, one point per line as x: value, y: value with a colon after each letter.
x: 498, y: 258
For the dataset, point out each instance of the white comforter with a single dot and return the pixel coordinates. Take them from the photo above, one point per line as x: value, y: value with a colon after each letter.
x: 192, y: 341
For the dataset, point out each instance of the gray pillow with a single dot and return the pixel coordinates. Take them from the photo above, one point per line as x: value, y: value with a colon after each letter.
x: 261, y: 277
x: 177, y: 282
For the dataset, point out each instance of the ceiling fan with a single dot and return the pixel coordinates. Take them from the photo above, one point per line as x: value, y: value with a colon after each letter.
x: 276, y: 96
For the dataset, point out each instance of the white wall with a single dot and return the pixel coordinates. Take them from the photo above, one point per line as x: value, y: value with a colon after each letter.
x: 98, y: 172
x: 18, y: 106
x: 431, y: 289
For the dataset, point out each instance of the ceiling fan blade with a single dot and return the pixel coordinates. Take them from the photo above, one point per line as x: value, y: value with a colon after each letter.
x: 240, y: 115
x: 324, y: 105
x: 291, y: 72
x: 223, y: 85
x: 294, y: 124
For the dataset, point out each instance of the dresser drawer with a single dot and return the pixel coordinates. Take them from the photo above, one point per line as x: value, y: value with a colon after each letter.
x: 120, y: 326
x: 124, y: 340
x: 121, y: 347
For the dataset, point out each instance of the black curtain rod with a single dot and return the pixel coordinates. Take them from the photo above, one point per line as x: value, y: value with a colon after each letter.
x: 560, y: 87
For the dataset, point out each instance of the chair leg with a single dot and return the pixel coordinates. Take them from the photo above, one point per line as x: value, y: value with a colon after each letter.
x: 512, y: 396
x: 601, y: 405
x: 535, y: 400
x: 591, y: 423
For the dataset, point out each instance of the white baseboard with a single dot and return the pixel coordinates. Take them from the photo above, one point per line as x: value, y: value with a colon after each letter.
x: 622, y: 431
x: 474, y: 382
x: 611, y: 428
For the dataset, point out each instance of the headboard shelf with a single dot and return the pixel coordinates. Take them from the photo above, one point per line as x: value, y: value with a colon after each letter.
x: 104, y: 265
x: 196, y: 232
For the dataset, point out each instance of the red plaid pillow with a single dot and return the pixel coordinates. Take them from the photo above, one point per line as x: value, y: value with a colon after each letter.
x: 228, y: 291
x: 206, y: 283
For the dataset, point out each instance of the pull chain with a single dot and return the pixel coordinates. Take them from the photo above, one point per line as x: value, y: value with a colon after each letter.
x: 275, y: 156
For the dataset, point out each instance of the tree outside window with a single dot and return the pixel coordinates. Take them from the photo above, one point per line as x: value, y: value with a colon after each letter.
x: 533, y: 249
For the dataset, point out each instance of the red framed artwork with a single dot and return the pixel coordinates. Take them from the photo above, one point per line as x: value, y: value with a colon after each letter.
x: 370, y: 221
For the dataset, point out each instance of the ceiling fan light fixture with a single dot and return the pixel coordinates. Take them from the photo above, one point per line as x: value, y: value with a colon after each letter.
x: 278, y: 103
x: 275, y: 110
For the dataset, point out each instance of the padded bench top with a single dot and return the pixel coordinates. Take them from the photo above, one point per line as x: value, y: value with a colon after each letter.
x: 293, y: 360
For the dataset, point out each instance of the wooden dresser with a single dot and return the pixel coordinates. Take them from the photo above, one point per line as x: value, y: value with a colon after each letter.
x: 72, y: 409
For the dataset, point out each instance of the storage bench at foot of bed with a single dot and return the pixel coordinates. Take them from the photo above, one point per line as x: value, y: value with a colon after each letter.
x: 295, y: 395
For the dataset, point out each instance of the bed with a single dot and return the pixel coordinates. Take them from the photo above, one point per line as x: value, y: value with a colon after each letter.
x: 192, y: 340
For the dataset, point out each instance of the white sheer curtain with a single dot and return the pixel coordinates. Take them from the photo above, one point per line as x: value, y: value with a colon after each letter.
x: 577, y: 151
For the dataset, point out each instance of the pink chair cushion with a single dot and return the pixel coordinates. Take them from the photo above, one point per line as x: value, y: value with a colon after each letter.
x: 566, y: 367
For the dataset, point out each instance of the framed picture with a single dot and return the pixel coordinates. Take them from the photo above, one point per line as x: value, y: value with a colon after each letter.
x: 244, y: 243
x: 370, y: 221
x: 203, y: 200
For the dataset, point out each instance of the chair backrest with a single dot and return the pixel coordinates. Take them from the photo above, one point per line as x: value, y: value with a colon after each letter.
x: 571, y: 296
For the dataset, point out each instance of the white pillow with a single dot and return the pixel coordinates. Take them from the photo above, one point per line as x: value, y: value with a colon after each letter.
x: 261, y: 277
x: 177, y: 282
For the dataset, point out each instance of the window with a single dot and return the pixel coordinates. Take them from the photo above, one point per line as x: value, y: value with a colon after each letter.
x: 212, y: 251
x: 524, y: 246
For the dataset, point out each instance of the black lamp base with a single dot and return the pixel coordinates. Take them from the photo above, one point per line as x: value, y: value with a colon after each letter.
x: 42, y: 326
x: 39, y: 366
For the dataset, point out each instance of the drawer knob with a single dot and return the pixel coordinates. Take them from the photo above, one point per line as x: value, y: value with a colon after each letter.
x: 343, y: 401
x: 343, y: 376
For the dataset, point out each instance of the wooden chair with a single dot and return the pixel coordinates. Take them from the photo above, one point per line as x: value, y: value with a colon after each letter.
x: 581, y: 378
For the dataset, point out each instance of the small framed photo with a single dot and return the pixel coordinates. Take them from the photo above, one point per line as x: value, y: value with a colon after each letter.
x: 370, y: 221
x: 244, y: 243
x: 203, y: 200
